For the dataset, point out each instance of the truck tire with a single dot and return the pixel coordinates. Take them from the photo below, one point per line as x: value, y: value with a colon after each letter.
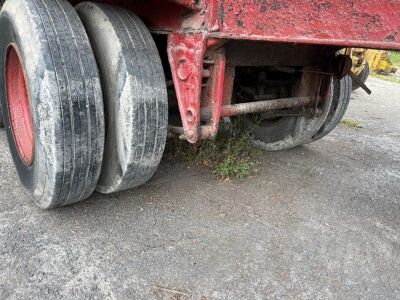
x: 363, y: 76
x: 290, y: 132
x: 52, y: 100
x: 1, y: 112
x: 1, y: 118
x: 135, y: 95
x: 340, y: 102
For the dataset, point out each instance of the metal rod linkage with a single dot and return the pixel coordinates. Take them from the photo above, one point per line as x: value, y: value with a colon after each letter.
x: 259, y: 106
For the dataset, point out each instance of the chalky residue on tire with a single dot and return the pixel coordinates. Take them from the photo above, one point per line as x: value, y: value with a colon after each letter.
x: 66, y: 99
x: 135, y: 95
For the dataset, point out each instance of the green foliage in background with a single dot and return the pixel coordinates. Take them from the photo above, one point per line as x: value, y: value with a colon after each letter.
x: 395, y: 57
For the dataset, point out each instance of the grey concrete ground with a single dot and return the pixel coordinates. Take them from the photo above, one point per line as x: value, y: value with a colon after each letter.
x: 321, y: 221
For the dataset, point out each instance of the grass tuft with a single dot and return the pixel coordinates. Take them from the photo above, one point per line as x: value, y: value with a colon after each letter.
x: 350, y: 123
x: 390, y: 78
x: 230, y: 154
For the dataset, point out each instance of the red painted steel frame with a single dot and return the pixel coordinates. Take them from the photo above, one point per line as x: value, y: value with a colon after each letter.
x: 186, y: 55
x: 356, y: 23
x: 192, y: 24
x: 362, y: 23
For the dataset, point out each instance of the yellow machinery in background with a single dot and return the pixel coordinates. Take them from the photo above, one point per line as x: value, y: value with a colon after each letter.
x: 367, y: 60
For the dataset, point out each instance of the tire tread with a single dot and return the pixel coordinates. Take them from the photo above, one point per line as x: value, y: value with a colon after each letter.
x: 139, y: 56
x: 76, y: 96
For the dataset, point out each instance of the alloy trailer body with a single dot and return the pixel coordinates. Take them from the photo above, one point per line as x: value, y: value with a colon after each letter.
x: 89, y: 90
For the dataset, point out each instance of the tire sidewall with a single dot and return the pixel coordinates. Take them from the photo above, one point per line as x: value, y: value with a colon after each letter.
x: 8, y: 37
x: 38, y: 76
x: 291, y: 132
x: 272, y: 131
x: 135, y: 95
x: 340, y: 102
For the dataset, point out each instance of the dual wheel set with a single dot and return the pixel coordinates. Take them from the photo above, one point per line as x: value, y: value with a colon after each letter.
x: 84, y: 98
x: 85, y: 102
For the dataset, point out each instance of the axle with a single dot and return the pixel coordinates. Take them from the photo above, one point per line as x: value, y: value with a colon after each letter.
x: 257, y: 107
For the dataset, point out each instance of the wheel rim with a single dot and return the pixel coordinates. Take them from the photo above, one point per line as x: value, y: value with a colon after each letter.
x: 18, y: 103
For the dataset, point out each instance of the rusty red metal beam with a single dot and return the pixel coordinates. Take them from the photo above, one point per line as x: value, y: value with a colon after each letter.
x: 186, y: 56
x: 366, y: 23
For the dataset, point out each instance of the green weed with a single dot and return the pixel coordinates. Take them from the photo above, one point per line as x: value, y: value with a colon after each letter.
x: 230, y: 154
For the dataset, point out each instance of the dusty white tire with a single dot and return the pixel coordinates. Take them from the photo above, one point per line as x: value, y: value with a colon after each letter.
x: 1, y: 112
x: 45, y: 41
x: 135, y: 95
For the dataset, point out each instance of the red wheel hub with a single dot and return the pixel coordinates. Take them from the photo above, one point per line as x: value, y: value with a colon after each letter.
x: 19, y: 108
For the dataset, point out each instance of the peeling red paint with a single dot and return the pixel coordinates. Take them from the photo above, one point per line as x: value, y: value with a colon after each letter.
x: 341, y: 22
x: 186, y: 55
x: 363, y: 23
